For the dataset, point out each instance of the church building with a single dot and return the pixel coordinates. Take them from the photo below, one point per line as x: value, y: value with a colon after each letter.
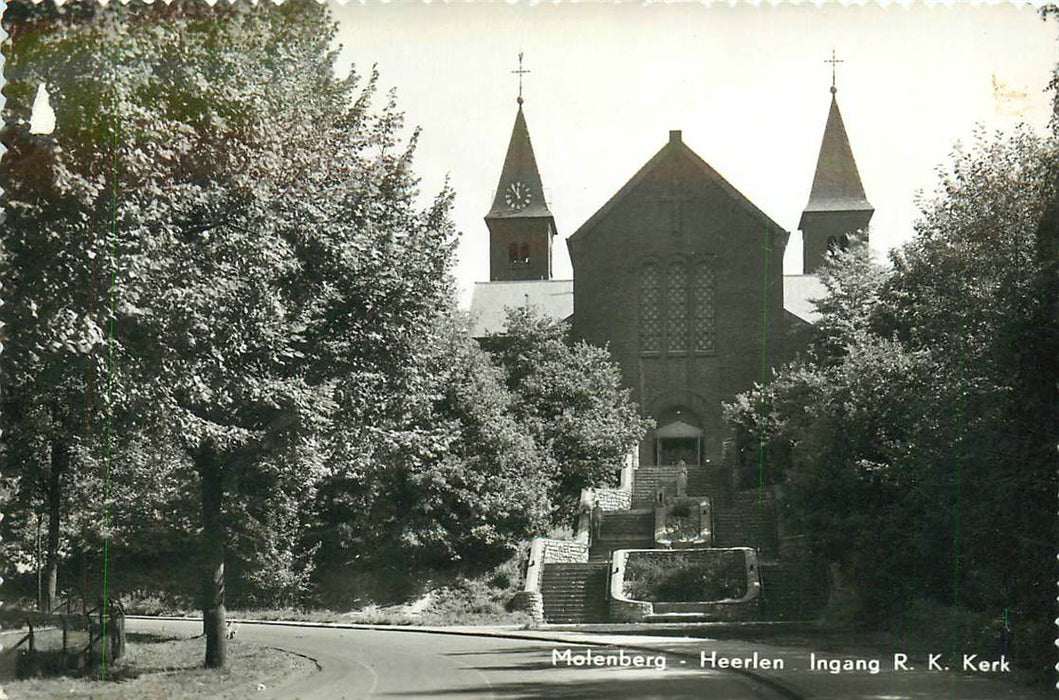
x: 678, y: 273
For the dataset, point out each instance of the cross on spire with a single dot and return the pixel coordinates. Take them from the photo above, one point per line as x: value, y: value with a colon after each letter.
x: 520, y: 72
x: 833, y: 61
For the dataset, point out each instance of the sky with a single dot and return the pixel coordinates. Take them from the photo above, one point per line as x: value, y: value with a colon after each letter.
x: 748, y: 86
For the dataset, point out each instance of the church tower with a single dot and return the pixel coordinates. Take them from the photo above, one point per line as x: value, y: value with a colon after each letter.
x: 520, y: 225
x: 837, y: 207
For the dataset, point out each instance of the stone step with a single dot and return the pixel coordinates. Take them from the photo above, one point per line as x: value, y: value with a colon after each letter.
x: 570, y: 566
x: 574, y: 592
x: 582, y: 619
x: 568, y: 575
x: 745, y: 614
x: 746, y: 521
x: 702, y: 481
x: 620, y: 522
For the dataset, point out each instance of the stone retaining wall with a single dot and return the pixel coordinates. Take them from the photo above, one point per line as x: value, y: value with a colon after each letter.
x: 559, y: 551
x: 614, y: 499
x: 623, y: 609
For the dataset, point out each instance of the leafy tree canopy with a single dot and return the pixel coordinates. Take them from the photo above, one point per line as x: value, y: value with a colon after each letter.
x: 570, y: 399
x: 920, y: 428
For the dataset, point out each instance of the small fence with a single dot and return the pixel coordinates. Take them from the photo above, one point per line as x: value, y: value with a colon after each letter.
x: 104, y: 623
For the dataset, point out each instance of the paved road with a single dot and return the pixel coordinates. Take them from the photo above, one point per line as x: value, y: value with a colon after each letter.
x: 400, y: 664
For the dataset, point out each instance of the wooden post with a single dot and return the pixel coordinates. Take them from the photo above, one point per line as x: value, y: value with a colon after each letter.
x: 32, y: 640
x: 102, y: 629
x: 117, y: 631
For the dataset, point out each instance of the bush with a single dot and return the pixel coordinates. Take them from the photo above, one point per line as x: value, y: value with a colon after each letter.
x: 681, y: 509
x: 674, y: 577
x: 142, y: 602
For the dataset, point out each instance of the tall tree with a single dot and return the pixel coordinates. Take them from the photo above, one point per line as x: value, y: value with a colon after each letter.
x: 59, y: 383
x: 922, y: 423
x: 269, y: 266
x: 452, y: 480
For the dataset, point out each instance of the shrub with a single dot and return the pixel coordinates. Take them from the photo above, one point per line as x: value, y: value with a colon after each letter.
x: 675, y: 577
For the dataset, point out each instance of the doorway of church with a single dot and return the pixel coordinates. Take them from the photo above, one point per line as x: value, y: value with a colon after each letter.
x: 677, y: 450
x: 679, y: 439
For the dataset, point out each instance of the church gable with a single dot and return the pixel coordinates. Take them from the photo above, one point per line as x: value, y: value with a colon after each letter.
x: 680, y: 194
x: 680, y: 276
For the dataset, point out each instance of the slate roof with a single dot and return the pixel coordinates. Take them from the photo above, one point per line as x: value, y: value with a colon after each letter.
x: 836, y: 184
x: 553, y: 298
x: 520, y: 165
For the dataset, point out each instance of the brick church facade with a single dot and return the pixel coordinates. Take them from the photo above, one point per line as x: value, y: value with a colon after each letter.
x: 678, y: 273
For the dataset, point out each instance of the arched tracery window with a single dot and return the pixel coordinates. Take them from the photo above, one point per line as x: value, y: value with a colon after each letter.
x: 677, y: 309
x: 650, y: 309
x: 703, y: 293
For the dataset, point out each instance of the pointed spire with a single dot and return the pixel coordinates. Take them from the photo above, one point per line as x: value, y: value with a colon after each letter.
x: 836, y: 185
x: 519, y: 193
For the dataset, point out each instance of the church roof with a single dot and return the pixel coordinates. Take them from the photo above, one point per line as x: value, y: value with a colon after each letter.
x: 836, y: 184
x: 489, y: 301
x: 676, y: 146
x: 520, y: 166
x: 799, y: 293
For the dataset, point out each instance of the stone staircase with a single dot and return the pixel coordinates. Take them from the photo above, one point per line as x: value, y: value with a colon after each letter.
x: 575, y: 592
x: 702, y: 481
x: 629, y: 529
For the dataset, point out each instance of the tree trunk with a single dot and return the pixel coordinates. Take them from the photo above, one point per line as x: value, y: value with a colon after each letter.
x: 60, y: 459
x: 40, y: 569
x: 213, y: 622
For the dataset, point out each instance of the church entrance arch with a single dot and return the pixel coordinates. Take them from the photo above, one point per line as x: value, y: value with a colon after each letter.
x: 679, y: 438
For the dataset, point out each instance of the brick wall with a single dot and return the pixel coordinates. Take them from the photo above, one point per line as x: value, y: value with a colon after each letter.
x: 716, y: 227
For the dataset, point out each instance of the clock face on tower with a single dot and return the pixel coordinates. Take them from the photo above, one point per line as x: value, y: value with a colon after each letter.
x: 517, y: 195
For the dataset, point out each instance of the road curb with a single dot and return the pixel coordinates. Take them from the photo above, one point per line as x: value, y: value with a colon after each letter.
x: 500, y: 633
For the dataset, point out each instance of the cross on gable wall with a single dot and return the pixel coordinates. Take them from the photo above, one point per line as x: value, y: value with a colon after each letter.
x: 675, y: 197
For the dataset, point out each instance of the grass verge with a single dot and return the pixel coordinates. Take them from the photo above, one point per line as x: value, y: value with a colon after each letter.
x: 165, y: 667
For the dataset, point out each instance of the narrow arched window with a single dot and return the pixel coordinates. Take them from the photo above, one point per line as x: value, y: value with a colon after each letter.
x: 677, y: 309
x: 525, y: 253
x: 512, y: 253
x: 650, y: 309
x: 703, y: 309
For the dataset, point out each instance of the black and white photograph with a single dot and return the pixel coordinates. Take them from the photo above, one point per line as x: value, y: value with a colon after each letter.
x: 499, y: 350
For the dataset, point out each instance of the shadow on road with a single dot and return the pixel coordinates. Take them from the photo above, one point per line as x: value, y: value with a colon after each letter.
x: 537, y: 677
